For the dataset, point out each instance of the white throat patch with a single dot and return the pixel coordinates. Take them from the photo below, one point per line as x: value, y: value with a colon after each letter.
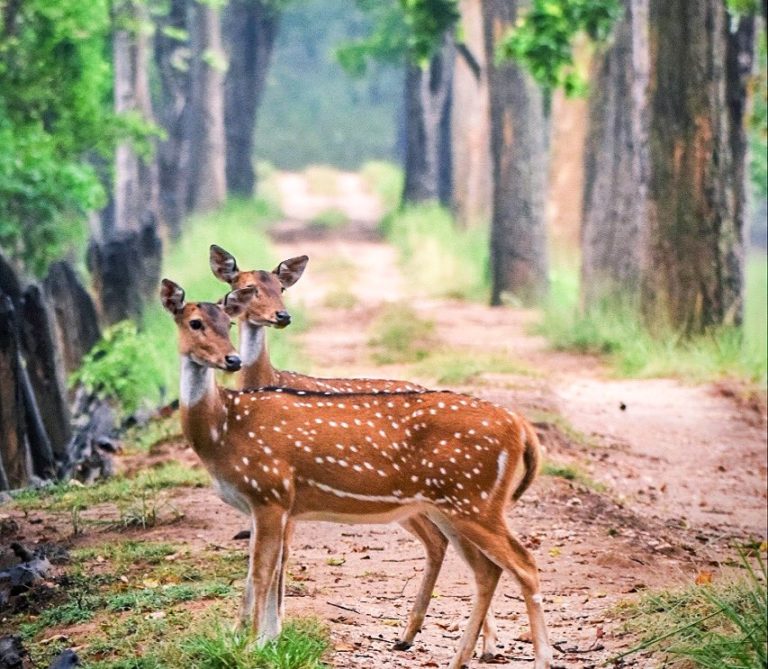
x: 196, y: 381
x: 251, y: 342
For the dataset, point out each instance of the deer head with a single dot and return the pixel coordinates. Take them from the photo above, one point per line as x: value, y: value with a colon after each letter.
x: 266, y: 304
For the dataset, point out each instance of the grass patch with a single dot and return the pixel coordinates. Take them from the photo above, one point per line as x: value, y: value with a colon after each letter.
x: 400, y: 335
x: 301, y: 645
x: 615, y: 332
x: 340, y: 298
x: 385, y: 180
x: 457, y: 366
x: 439, y: 258
x: 721, y: 625
x: 559, y: 422
x: 571, y: 473
x: 330, y: 219
x: 66, y: 496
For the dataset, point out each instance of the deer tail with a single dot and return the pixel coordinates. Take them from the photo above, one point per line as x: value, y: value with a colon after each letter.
x: 531, y: 459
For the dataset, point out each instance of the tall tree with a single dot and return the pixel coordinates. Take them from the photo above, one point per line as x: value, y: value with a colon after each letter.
x: 470, y: 122
x: 249, y: 28
x: 207, y: 145
x: 700, y: 58
x: 518, y: 147
x: 615, y: 211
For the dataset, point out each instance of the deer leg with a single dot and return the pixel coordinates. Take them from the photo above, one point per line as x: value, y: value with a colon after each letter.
x: 434, y: 543
x: 246, y: 608
x: 287, y: 536
x: 270, y: 524
x: 497, y: 543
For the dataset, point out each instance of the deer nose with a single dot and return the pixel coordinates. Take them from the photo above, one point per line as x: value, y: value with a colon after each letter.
x: 233, y: 362
x: 283, y: 318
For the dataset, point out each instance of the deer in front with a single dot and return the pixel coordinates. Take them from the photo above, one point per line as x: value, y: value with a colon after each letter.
x: 266, y: 309
x: 280, y: 454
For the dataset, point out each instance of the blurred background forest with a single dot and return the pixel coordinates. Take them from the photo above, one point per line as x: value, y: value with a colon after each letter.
x: 602, y: 160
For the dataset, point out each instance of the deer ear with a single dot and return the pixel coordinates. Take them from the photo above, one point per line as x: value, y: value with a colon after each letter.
x: 290, y: 271
x: 223, y: 264
x: 172, y: 296
x: 236, y: 301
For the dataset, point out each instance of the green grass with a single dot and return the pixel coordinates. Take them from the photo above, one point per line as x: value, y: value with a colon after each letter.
x: 385, y: 180
x: 721, y: 625
x: 301, y: 645
x: 457, y: 366
x: 615, y: 332
x: 440, y: 259
x: 400, y: 335
x: 330, y: 219
x: 118, y: 489
x: 571, y: 472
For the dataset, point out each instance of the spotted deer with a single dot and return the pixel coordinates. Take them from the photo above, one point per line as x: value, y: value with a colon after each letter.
x: 280, y: 454
x: 265, y: 309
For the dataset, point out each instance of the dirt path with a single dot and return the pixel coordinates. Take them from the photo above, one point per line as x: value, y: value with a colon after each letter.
x: 683, y: 474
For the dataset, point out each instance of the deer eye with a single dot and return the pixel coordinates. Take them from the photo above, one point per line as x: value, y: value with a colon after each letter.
x: 196, y: 324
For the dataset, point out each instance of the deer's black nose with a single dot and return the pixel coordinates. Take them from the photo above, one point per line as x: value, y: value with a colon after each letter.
x: 233, y: 362
x: 283, y: 318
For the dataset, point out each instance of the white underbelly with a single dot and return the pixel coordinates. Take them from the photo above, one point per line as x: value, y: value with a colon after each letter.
x: 390, y: 516
x: 228, y: 494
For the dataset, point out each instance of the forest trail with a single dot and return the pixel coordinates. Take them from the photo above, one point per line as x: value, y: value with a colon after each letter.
x: 674, y: 480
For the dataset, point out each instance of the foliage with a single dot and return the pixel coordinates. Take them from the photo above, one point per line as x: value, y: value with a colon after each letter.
x: 615, y: 331
x: 439, y: 258
x: 410, y: 30
x: 716, y: 626
x: 55, y: 119
x: 122, y: 367
x: 542, y: 40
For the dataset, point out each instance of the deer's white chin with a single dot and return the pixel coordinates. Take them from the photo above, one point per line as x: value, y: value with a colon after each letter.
x: 196, y: 380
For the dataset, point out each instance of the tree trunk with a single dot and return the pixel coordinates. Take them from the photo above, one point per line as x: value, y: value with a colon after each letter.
x: 135, y: 187
x: 75, y: 320
x: 470, y: 121
x: 518, y: 148
x: 208, y: 184
x: 615, y: 208
x: 45, y: 368
x: 14, y: 449
x: 250, y: 28
x: 427, y: 118
x: 173, y: 68
x: 694, y: 277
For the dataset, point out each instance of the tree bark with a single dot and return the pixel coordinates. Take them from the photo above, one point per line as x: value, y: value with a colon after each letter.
x: 135, y: 196
x: 694, y: 276
x: 470, y: 122
x: 207, y: 173
x: 615, y: 206
x: 249, y: 28
x: 428, y: 137
x: 14, y: 449
x: 172, y: 61
x: 518, y: 148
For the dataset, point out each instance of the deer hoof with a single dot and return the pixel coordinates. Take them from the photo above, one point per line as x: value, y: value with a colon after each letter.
x: 401, y: 645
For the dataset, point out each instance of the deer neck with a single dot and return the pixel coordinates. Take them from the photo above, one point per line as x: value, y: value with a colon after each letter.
x: 257, y: 369
x: 203, y: 414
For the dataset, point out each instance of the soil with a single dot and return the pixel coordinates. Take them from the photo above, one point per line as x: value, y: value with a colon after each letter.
x: 675, y: 476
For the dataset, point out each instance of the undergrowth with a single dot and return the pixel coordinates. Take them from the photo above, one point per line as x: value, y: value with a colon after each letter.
x: 440, y: 259
x: 616, y: 332
x: 717, y: 625
x: 386, y: 180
